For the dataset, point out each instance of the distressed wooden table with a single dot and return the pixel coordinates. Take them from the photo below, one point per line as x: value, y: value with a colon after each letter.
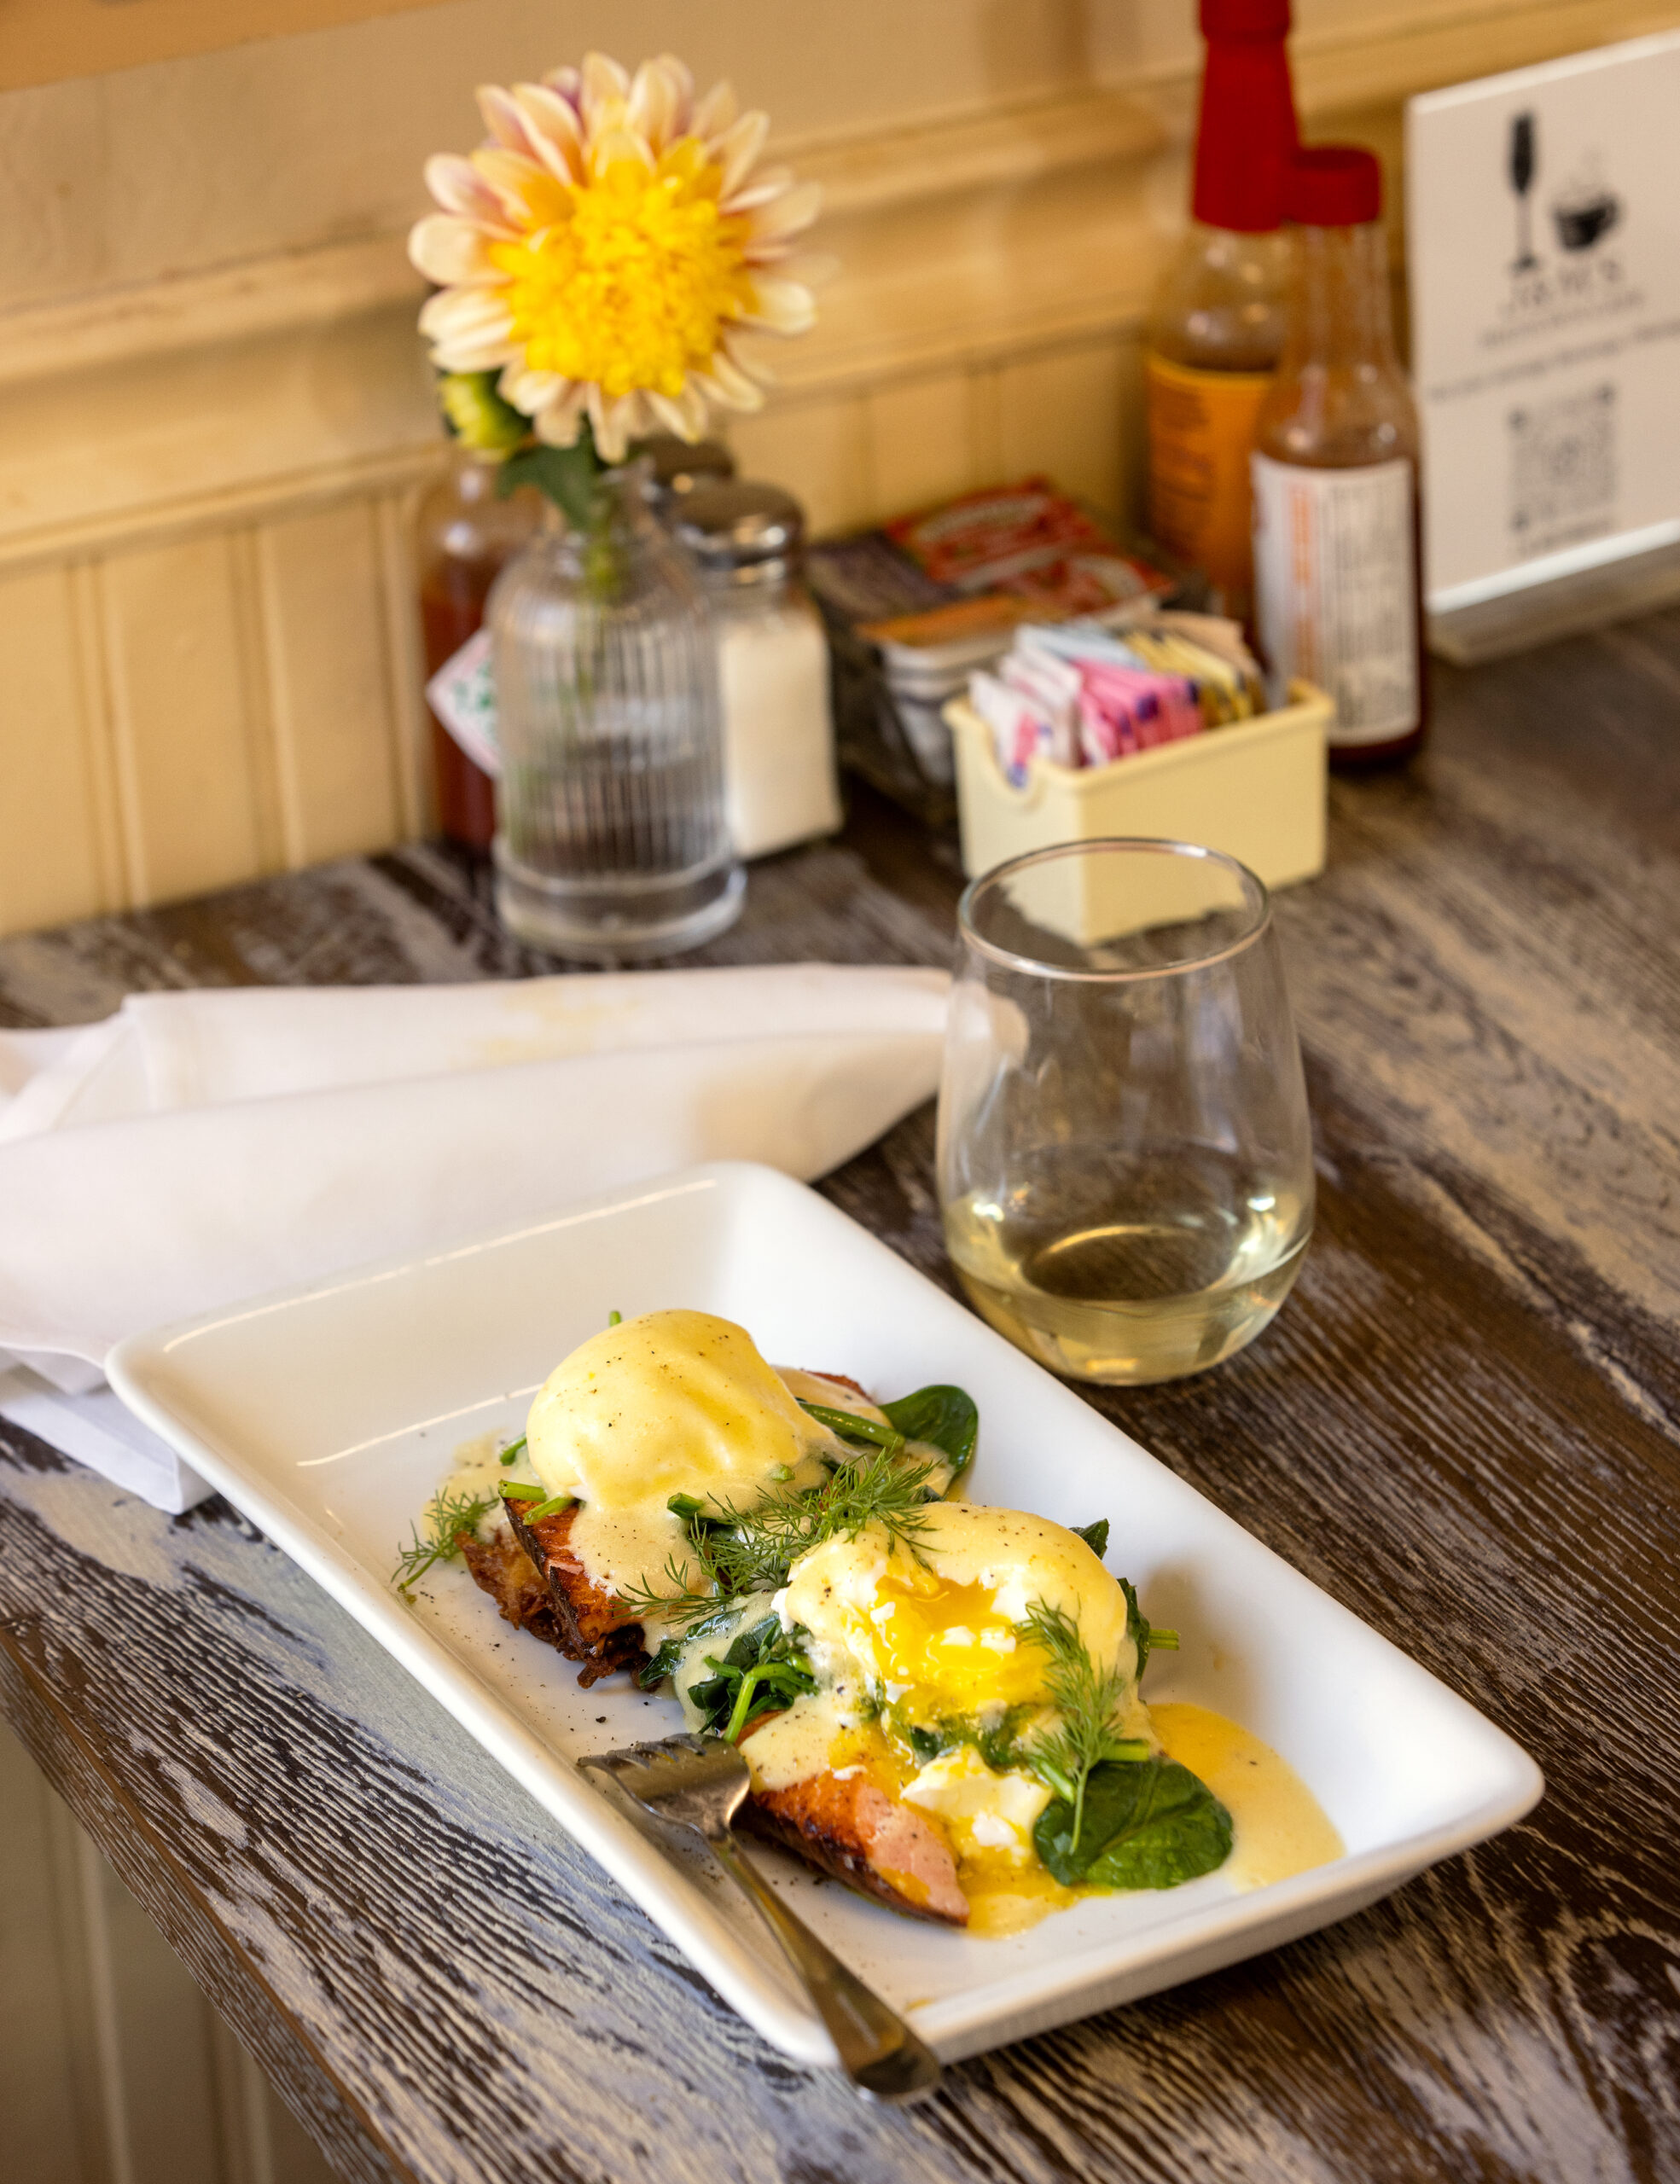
x: 1465, y: 1426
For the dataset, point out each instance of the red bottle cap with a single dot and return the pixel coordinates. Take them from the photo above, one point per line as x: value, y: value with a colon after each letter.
x: 1246, y: 133
x: 1333, y: 186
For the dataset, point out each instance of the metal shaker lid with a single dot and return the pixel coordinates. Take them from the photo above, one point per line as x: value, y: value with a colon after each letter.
x: 679, y: 465
x: 741, y: 532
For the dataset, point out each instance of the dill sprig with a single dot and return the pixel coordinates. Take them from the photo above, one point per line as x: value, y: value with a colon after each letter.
x: 447, y: 1519
x: 1086, y: 1699
x: 740, y: 1551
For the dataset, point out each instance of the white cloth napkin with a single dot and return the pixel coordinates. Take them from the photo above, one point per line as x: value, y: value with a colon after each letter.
x: 198, y: 1147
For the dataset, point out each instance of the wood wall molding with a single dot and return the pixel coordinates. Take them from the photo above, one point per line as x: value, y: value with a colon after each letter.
x: 229, y: 455
x: 46, y: 40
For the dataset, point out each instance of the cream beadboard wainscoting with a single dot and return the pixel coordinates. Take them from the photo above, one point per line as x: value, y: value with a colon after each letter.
x: 214, y: 416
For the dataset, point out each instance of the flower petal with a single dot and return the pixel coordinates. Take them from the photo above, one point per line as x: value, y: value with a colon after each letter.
x: 784, y: 306
x: 759, y: 188
x: 456, y: 186
x: 741, y: 346
x: 685, y: 415
x: 530, y: 195
x: 479, y: 353
x: 721, y: 398
x: 610, y: 423
x: 530, y: 393
x: 605, y: 87
x: 784, y: 216
x: 446, y: 250
x: 558, y: 423
x: 724, y: 382
x: 812, y: 269
x: 556, y: 134
x: 502, y: 117
x: 716, y: 112
x: 460, y: 313
x: 568, y: 85
x: 660, y: 100
x: 737, y: 149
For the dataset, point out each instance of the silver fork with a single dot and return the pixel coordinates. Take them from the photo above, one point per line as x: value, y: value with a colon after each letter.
x: 700, y: 1782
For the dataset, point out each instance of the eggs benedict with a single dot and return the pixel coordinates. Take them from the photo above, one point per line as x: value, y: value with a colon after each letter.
x: 938, y: 1701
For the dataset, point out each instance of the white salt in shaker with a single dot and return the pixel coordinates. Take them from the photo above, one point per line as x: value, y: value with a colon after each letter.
x: 780, y: 786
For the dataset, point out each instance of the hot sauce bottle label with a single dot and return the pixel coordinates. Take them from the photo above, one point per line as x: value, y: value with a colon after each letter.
x: 462, y: 695
x: 1201, y: 430
x: 1333, y: 591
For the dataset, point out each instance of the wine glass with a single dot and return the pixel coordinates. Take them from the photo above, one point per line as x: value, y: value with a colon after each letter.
x: 1124, y: 1157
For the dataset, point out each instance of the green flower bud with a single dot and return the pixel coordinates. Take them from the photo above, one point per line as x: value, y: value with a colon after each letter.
x: 476, y: 414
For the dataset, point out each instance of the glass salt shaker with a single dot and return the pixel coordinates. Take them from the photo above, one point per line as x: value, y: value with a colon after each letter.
x: 779, y: 782
x: 614, y: 846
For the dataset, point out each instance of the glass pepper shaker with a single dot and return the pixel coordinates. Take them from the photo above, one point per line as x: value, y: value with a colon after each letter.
x: 780, y: 783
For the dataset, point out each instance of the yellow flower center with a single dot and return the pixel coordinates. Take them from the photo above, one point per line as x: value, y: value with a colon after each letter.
x: 630, y: 286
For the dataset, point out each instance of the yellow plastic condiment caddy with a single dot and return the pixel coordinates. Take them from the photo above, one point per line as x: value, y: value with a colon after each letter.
x: 1255, y: 790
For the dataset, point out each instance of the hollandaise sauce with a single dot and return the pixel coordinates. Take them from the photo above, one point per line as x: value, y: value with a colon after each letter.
x: 666, y: 1404
x: 1280, y: 1826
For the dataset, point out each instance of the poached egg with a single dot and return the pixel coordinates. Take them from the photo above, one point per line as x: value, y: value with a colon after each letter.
x: 667, y: 1403
x: 923, y: 1667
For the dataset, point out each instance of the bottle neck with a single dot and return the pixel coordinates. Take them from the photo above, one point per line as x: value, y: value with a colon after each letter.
x: 1245, y: 135
x: 1340, y: 313
x: 475, y: 472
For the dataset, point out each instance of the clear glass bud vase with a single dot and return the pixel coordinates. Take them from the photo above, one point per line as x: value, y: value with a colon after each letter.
x: 614, y: 846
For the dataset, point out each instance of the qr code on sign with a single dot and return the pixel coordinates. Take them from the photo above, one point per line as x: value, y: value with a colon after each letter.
x: 1563, y: 470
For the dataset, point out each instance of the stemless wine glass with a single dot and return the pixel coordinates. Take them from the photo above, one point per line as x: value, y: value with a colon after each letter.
x: 1125, y: 1162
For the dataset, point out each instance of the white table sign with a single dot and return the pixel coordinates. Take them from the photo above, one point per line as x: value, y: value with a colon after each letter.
x: 1543, y: 240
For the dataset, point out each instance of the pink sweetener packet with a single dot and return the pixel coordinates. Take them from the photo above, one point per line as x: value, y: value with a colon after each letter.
x: 1107, y: 727
x: 1156, y: 708
x: 1054, y: 685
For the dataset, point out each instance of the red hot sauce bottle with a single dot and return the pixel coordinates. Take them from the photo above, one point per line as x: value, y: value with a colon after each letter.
x: 1337, y: 560
x: 1217, y: 325
x: 463, y: 536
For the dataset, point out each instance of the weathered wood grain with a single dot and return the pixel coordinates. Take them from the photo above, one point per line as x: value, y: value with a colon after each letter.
x: 1466, y: 1425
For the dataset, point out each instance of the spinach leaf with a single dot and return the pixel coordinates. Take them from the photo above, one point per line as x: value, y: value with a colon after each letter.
x: 947, y: 1418
x: 1095, y: 1537
x: 663, y: 1663
x: 1148, y: 1823
x: 763, y: 1671
x: 1147, y: 1636
x: 653, y: 1672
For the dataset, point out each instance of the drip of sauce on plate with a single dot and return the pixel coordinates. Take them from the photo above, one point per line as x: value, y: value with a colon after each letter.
x: 1280, y: 1826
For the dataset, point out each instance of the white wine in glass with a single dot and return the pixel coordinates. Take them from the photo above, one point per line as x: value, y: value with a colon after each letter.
x: 1125, y: 1165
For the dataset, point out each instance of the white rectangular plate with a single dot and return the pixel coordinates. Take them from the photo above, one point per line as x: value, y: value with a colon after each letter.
x: 328, y: 1415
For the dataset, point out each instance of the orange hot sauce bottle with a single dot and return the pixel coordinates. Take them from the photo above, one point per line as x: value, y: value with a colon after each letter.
x: 1217, y: 326
x: 464, y: 536
x: 1337, y: 536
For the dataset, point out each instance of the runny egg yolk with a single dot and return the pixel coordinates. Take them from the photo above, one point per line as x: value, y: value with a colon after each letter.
x: 942, y: 1648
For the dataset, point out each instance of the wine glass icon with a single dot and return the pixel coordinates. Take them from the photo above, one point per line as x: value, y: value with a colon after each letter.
x: 1521, y: 172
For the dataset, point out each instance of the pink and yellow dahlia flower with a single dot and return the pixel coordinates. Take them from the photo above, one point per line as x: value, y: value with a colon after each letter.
x: 607, y: 249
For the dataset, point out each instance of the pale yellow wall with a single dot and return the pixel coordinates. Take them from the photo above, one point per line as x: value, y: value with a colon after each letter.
x: 214, y: 413
x: 303, y: 140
